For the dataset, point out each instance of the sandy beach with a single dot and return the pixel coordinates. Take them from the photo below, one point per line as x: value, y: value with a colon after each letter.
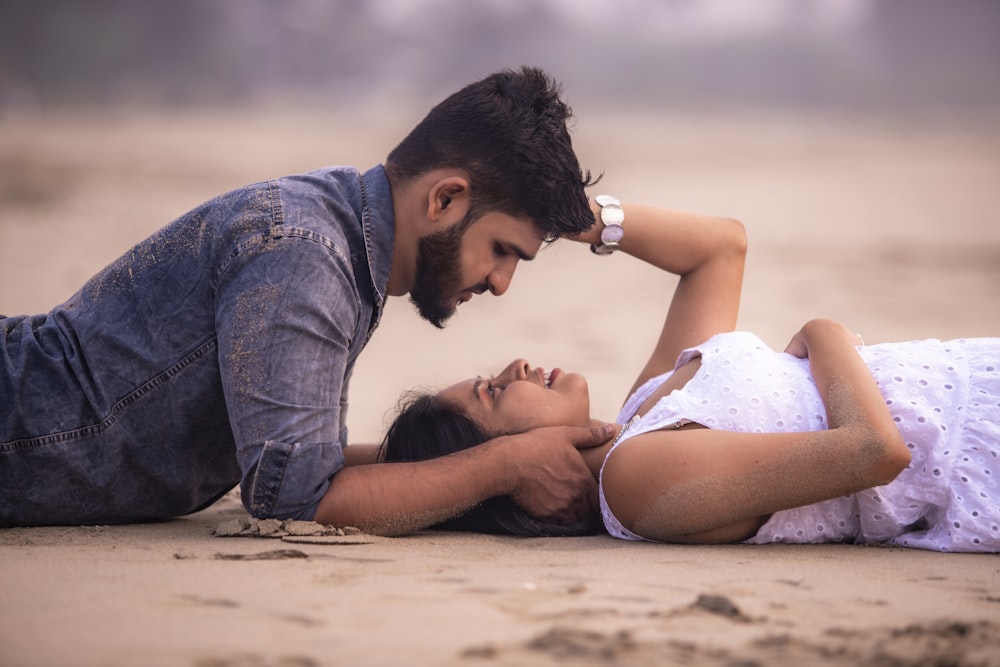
x: 888, y: 224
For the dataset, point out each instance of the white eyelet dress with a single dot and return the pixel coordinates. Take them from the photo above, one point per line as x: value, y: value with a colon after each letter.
x: 944, y: 396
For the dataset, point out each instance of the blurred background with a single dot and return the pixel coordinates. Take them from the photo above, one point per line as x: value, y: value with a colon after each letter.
x: 858, y: 55
x: 857, y: 139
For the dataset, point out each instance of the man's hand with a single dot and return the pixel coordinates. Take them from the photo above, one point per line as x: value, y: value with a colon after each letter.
x: 542, y: 470
x: 554, y: 482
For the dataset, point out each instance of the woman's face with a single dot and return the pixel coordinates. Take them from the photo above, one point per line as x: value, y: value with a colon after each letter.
x: 522, y: 398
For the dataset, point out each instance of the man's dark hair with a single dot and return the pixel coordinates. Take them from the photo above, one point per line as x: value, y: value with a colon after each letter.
x: 509, y: 133
x: 427, y: 427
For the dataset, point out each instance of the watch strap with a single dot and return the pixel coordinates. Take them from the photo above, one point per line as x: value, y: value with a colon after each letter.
x: 613, y: 219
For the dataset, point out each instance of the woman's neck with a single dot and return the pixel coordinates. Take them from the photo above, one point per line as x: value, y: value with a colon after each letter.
x: 594, y: 456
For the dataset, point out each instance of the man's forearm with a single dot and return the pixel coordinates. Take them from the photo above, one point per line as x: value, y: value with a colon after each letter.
x: 355, y: 455
x: 400, y: 498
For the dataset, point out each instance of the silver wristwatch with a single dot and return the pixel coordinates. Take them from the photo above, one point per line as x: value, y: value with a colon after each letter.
x: 612, y: 217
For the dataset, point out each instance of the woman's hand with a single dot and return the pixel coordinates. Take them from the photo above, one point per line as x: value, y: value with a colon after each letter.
x: 798, y: 346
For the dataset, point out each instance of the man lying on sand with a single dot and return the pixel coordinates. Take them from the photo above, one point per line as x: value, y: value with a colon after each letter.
x: 218, y: 351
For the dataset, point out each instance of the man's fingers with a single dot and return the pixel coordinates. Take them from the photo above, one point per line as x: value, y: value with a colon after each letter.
x: 556, y: 483
x: 596, y: 435
x: 580, y: 510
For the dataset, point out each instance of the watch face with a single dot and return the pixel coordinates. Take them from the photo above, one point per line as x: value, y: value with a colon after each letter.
x: 612, y: 215
x: 612, y: 234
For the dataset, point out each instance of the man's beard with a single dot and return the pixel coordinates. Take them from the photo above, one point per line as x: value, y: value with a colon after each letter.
x: 439, y: 274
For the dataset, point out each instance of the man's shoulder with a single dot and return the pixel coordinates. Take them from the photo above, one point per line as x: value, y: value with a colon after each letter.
x: 324, y: 197
x: 336, y: 198
x: 335, y: 181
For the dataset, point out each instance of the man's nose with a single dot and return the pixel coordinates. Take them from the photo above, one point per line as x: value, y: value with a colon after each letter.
x: 499, y: 280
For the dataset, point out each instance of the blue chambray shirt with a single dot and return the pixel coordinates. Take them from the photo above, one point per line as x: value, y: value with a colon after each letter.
x: 218, y: 351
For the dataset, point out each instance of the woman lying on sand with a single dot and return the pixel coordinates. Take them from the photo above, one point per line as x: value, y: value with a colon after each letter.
x: 722, y: 439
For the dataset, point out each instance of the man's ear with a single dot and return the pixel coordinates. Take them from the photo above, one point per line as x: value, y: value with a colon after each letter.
x: 448, y: 199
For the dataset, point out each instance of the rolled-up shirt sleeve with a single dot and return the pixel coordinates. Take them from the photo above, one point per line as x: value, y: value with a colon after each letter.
x: 287, y: 311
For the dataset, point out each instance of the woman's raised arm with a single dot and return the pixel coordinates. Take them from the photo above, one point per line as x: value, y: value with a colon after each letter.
x: 708, y: 254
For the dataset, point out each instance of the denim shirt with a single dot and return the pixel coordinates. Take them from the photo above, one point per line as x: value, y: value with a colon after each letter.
x: 218, y: 351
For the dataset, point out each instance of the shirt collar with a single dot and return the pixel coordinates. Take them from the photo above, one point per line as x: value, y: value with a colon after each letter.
x: 379, y: 224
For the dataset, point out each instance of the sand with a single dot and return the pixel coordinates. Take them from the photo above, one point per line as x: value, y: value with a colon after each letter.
x: 887, y: 224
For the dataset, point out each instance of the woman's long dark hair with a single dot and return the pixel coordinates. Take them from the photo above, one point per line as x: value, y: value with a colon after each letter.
x: 426, y: 427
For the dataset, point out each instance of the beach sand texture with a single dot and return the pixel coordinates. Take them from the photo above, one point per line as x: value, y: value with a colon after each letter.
x: 888, y: 224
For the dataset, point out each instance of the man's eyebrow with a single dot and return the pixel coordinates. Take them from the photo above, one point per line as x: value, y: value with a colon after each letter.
x: 522, y: 254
